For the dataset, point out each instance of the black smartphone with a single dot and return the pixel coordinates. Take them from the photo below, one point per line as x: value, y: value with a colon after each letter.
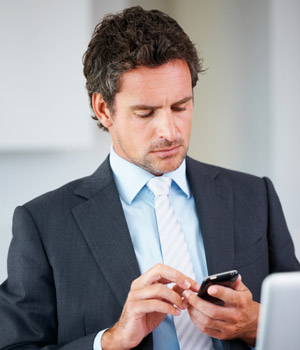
x: 226, y: 279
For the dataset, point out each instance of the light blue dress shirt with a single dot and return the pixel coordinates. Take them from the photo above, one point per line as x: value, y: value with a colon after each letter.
x: 138, y: 205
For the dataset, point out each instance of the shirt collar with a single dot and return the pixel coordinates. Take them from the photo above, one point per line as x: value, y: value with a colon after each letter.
x: 130, y: 178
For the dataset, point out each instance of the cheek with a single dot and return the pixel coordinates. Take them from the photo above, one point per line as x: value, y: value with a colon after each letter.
x: 144, y: 130
x: 139, y: 135
x: 128, y: 130
x: 185, y: 125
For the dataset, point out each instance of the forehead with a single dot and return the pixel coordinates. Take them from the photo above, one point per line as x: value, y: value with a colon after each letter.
x: 165, y: 83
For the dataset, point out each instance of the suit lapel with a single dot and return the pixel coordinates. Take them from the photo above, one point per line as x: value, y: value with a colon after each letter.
x: 214, y: 203
x: 103, y: 224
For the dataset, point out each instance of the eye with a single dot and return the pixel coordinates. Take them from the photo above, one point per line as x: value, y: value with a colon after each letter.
x: 179, y: 108
x: 144, y: 114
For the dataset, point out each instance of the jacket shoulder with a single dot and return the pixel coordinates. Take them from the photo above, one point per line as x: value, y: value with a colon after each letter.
x: 76, y: 191
x: 236, y: 179
x: 58, y: 197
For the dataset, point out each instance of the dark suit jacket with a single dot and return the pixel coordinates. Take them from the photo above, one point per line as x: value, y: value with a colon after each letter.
x: 71, y: 259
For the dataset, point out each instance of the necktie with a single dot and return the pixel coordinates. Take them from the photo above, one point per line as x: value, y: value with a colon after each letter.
x: 175, y: 254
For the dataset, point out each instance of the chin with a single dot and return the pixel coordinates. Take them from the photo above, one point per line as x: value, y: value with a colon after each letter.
x: 169, y: 166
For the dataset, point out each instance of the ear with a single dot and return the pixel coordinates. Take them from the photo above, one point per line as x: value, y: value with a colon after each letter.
x: 101, y: 110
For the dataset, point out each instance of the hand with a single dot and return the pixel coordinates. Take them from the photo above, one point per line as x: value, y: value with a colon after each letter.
x: 238, y: 318
x: 148, y: 302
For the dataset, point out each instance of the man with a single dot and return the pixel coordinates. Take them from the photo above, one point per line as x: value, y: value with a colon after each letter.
x: 87, y: 264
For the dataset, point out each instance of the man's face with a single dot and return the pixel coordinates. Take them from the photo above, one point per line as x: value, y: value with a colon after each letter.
x: 152, y: 118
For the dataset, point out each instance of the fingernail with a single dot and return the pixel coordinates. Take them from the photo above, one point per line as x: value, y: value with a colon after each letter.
x: 186, y: 294
x: 198, y: 286
x: 187, y: 283
x: 212, y: 290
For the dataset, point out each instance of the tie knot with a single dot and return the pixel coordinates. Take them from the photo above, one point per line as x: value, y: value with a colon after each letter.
x: 159, y: 185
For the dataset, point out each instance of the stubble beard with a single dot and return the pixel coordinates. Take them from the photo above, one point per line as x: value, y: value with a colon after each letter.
x: 157, y: 165
x: 162, y: 166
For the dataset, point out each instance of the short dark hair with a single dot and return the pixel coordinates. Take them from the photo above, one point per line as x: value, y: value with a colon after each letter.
x: 131, y: 38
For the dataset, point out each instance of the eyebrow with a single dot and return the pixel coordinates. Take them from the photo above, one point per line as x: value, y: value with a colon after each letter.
x: 146, y: 107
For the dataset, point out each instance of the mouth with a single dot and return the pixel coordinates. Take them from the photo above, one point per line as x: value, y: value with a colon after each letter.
x: 167, y: 151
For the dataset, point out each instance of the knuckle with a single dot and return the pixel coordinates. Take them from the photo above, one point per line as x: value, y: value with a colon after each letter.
x: 133, y: 285
x: 235, y: 318
x: 158, y: 269
x: 207, y: 322
x: 159, y: 266
x: 222, y: 336
x: 205, y: 329
x: 230, y: 330
x: 202, y: 328
x: 159, y: 289
x: 213, y: 314
x: 176, y: 273
x: 245, y: 303
x: 131, y: 296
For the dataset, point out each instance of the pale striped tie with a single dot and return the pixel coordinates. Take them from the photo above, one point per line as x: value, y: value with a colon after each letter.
x: 175, y: 254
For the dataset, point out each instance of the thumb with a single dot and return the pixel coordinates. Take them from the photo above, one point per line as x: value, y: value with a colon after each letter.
x: 239, y: 285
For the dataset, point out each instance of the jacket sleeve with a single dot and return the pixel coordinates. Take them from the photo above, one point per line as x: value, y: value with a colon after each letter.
x: 28, y: 315
x: 281, y: 248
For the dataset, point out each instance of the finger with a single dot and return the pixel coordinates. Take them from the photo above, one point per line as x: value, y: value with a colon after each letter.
x: 205, y: 307
x: 222, y: 322
x: 158, y: 291
x: 214, y: 328
x: 205, y: 315
x: 164, y: 274
x: 228, y: 295
x: 198, y: 303
x: 239, y: 285
x: 194, y: 288
x: 143, y: 307
x: 177, y: 289
x: 236, y: 303
x: 171, y: 275
x: 204, y: 322
x: 212, y: 319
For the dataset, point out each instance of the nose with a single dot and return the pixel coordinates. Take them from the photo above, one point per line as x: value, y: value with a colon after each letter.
x: 166, y: 127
